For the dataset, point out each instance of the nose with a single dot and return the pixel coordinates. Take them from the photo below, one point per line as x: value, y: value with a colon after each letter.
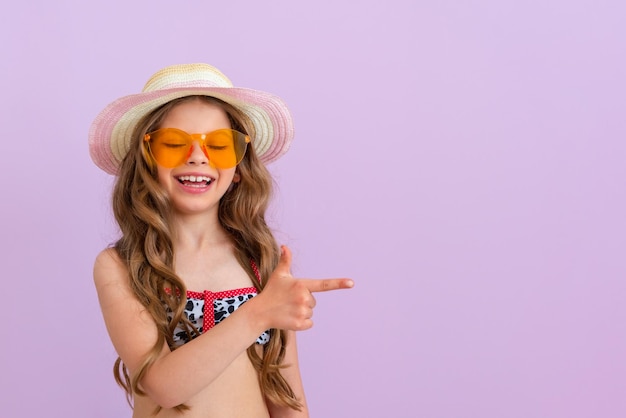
x: 197, y: 155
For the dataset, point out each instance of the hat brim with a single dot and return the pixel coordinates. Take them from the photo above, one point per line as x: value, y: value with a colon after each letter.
x: 111, y: 132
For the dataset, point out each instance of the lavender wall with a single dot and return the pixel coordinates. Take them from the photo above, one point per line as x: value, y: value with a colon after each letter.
x: 463, y: 161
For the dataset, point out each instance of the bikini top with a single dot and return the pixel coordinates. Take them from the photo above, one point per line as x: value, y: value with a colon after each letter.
x: 200, y: 304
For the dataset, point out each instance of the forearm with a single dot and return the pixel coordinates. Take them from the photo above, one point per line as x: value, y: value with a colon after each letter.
x: 205, y: 358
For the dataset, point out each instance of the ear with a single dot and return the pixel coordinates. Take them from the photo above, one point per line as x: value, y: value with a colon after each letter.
x: 236, y: 177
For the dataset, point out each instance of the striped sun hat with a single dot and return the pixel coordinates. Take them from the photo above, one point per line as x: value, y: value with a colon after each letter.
x: 110, y: 134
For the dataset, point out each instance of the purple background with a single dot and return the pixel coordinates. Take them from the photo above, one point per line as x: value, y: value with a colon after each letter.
x: 463, y: 161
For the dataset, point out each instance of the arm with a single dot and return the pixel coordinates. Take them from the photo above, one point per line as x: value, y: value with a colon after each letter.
x: 292, y: 375
x: 285, y: 303
x: 133, y: 333
x: 292, y: 310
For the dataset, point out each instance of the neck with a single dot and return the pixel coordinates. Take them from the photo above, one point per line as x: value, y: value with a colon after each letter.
x: 198, y: 232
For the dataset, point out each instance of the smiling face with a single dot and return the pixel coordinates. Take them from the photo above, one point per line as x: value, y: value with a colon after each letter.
x: 194, y: 186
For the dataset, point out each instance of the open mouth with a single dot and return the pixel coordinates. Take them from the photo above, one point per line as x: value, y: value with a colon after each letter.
x: 194, y: 181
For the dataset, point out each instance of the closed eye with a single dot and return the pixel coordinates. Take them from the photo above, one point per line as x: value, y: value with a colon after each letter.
x: 218, y: 147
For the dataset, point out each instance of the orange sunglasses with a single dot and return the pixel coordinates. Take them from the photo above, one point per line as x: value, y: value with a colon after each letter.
x: 171, y: 147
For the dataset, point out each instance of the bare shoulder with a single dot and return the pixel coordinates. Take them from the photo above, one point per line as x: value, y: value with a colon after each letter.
x: 108, y: 267
x: 111, y: 278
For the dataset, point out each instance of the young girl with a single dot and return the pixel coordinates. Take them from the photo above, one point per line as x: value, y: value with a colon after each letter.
x: 197, y: 297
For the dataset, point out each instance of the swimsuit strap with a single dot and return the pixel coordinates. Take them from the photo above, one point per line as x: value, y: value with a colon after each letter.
x: 256, y: 270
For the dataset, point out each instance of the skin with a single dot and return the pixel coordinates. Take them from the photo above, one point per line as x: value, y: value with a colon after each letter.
x: 212, y: 373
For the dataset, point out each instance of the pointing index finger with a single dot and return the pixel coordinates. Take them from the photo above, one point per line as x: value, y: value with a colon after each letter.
x: 325, y: 285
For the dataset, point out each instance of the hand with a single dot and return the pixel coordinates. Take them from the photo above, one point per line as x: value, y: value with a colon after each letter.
x: 289, y: 302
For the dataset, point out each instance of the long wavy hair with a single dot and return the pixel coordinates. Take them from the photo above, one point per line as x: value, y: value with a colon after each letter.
x: 143, y: 213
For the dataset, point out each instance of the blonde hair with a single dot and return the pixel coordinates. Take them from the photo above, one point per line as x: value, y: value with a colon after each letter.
x: 142, y: 211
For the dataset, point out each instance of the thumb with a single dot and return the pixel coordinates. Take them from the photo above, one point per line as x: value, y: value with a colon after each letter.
x: 284, y: 263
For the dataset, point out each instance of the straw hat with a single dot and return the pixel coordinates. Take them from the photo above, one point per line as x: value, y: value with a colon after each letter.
x: 110, y: 134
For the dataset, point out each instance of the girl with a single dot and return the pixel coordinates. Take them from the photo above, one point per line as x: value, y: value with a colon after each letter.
x: 197, y: 297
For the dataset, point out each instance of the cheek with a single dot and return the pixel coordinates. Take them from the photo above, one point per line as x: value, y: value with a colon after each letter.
x: 163, y: 176
x: 229, y: 175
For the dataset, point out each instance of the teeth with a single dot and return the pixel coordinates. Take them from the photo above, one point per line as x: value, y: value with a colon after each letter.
x: 195, y: 179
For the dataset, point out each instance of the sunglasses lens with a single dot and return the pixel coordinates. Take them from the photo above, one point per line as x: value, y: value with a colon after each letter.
x: 226, y: 147
x: 169, y: 147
